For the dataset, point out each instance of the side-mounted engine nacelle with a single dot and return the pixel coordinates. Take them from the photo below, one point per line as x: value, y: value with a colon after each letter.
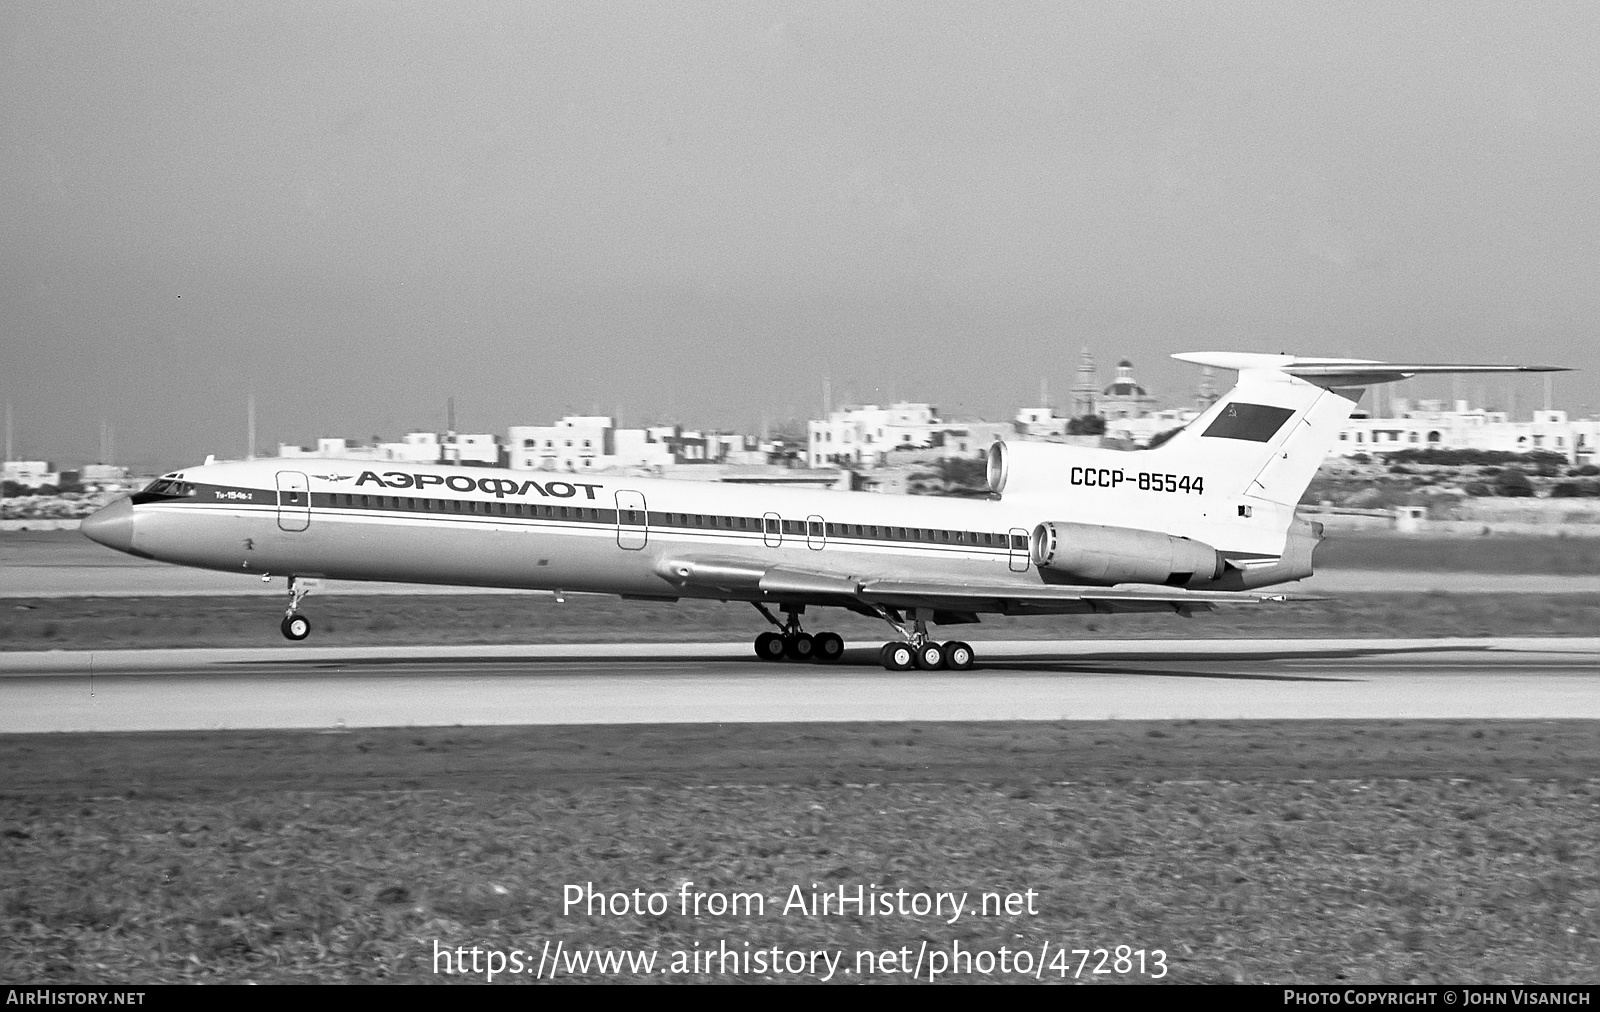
x: 1123, y: 555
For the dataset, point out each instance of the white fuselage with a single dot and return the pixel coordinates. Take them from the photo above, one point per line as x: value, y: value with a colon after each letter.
x: 602, y: 533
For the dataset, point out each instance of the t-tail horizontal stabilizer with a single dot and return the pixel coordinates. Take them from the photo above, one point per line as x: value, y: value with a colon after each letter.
x: 1342, y: 373
x: 1264, y: 440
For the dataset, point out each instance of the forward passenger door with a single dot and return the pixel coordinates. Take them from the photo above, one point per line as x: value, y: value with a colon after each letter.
x: 294, y: 501
x: 633, y: 522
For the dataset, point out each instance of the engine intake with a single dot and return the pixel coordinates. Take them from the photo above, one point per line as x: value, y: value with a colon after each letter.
x: 1122, y: 555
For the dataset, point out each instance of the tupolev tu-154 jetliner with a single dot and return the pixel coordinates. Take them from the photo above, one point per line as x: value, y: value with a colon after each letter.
x: 1207, y: 517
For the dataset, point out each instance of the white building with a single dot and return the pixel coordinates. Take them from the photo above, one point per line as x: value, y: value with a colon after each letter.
x: 413, y: 448
x: 1139, y: 430
x: 862, y: 435
x: 969, y: 439
x: 480, y: 449
x: 1427, y: 423
x: 1040, y: 423
x: 30, y: 473
x: 583, y: 443
x: 594, y: 443
x: 103, y: 477
x: 866, y: 436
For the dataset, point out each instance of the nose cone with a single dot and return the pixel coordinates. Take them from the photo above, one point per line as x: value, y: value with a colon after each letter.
x: 112, y: 526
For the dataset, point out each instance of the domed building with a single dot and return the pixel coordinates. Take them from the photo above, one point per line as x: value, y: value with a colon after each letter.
x: 1123, y: 397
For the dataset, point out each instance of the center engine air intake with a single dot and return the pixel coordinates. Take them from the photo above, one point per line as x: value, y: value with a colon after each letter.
x: 1122, y: 555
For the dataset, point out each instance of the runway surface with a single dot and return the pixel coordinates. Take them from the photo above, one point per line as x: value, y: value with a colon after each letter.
x: 292, y: 687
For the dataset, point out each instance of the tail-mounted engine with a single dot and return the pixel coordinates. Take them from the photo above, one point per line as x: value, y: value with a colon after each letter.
x: 1099, y: 554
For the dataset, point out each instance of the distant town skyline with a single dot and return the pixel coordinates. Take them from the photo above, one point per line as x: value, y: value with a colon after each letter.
x: 698, y: 212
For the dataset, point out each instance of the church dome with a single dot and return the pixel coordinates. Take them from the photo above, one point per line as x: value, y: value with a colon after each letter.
x: 1125, y: 385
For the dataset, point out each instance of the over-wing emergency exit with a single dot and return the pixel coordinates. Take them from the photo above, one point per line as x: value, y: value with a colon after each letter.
x: 1206, y: 518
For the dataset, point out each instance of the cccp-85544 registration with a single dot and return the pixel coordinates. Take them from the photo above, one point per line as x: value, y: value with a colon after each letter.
x: 1144, y: 481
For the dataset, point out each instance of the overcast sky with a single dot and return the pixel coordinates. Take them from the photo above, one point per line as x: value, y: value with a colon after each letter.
x: 696, y: 211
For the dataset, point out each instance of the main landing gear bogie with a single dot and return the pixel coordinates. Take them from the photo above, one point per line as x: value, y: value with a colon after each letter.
x: 793, y: 643
x: 929, y: 656
x: 824, y: 648
x: 915, y: 650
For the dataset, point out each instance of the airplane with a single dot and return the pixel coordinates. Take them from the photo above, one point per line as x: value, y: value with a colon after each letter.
x: 1206, y: 518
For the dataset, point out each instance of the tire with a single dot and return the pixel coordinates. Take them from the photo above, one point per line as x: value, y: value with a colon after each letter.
x: 769, y: 646
x: 899, y: 657
x: 958, y: 656
x: 800, y: 647
x: 295, y: 627
x: 930, y: 656
x: 827, y: 648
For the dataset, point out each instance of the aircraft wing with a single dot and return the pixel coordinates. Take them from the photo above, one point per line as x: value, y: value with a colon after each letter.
x: 865, y: 592
x: 1011, y: 598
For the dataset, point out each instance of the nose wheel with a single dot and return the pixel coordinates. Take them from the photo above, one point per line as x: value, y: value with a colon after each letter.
x: 295, y: 626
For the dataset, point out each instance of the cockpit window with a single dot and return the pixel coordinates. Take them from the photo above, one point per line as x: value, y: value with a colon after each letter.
x: 164, y: 488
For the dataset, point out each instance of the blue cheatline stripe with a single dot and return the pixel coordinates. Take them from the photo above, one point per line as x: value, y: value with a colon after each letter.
x: 222, y: 498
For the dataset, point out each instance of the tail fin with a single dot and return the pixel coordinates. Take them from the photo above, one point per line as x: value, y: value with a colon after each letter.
x: 1265, y: 439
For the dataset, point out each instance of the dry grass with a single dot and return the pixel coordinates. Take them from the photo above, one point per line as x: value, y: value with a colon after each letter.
x: 1503, y: 555
x: 1171, y: 836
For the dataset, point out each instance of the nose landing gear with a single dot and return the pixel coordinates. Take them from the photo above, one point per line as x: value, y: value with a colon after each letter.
x: 295, y: 626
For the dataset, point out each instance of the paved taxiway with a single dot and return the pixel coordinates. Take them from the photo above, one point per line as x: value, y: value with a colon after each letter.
x: 293, y: 687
